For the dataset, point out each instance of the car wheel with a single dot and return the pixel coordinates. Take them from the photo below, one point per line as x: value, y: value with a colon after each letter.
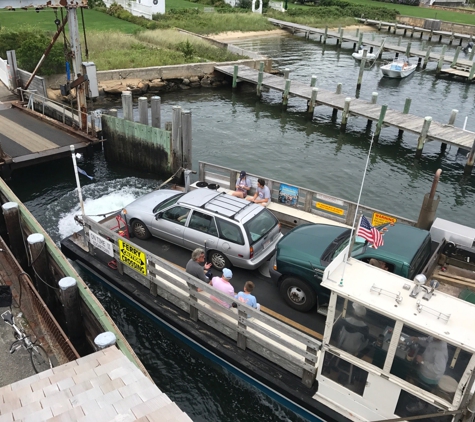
x: 298, y: 294
x: 140, y: 230
x: 219, y: 260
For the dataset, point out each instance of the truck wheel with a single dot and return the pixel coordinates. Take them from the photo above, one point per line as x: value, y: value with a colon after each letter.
x: 219, y: 260
x: 140, y: 230
x: 298, y: 294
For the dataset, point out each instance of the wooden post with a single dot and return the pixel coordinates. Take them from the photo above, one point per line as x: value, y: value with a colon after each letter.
x: 381, y: 48
x: 423, y: 45
x: 472, y: 72
x: 456, y: 56
x: 374, y: 98
x: 112, y: 112
x: 379, y: 26
x: 441, y: 60
x: 399, y: 41
x: 69, y: 297
x: 313, y: 81
x: 470, y: 159
x: 339, y: 87
x: 407, y: 106
x: 453, y: 116
x: 426, y: 58
x: 155, y: 103
x: 286, y: 73
x: 39, y: 259
x: 341, y: 37
x: 357, y: 32
x: 143, y: 110
x: 127, y: 105
x: 15, y: 233
x: 451, y: 40
x: 360, y: 41
x: 423, y: 136
x: 379, y: 125
x: 260, y: 78
x: 325, y: 35
x: 345, y: 114
x: 335, y: 110
x: 360, y: 74
x: 285, y: 95
x: 372, y: 36
x: 412, y: 31
x: 176, y: 138
x: 312, y: 102
x: 235, y: 76
x: 431, y: 34
x: 186, y: 138
x: 408, y: 50
x: 471, y: 54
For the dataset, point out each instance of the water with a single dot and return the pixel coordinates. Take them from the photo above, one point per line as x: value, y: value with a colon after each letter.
x: 240, y: 131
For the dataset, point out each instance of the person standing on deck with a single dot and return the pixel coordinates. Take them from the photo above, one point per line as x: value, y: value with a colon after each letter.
x: 196, y: 268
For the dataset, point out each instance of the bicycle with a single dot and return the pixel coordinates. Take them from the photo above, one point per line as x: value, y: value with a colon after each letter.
x: 38, y: 356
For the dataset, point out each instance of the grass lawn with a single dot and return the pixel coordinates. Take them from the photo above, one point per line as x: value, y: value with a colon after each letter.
x: 95, y: 21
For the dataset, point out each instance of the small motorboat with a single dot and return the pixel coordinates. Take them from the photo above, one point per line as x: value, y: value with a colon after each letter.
x: 398, y: 69
x: 359, y: 54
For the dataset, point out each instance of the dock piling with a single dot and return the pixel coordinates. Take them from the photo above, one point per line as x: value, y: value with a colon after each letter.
x: 374, y: 98
x: 399, y: 41
x: 69, y: 297
x: 104, y: 340
x: 235, y: 76
x: 379, y: 125
x: 127, y: 105
x: 285, y: 95
x: 15, y: 233
x: 186, y: 138
x: 176, y: 138
x: 357, y: 32
x: 423, y: 136
x: 312, y: 102
x: 471, y: 54
x: 431, y: 34
x: 260, y: 78
x: 441, y: 60
x: 335, y: 110
x: 313, y: 81
x: 470, y: 160
x: 340, y: 40
x: 39, y: 259
x: 143, y: 110
x: 345, y: 114
x: 407, y: 106
x: 426, y: 58
x: 286, y: 73
x: 362, y: 66
x: 155, y: 103
x: 472, y: 72
x: 408, y: 49
x: 412, y: 31
x: 360, y: 41
x: 325, y: 35
x: 339, y: 88
x: 456, y: 56
x: 113, y: 112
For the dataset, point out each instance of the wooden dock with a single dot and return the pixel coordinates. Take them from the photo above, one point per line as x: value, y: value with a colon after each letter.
x: 423, y: 55
x: 447, y: 134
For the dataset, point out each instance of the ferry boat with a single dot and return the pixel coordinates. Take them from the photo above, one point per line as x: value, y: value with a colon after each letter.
x: 319, y: 375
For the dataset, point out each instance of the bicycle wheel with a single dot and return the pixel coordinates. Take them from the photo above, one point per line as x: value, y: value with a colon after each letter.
x: 39, y: 358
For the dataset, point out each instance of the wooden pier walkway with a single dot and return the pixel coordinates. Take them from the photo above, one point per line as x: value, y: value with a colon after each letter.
x: 447, y: 134
x: 342, y: 37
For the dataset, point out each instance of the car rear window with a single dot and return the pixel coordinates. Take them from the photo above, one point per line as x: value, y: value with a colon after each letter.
x: 230, y: 232
x: 260, y: 225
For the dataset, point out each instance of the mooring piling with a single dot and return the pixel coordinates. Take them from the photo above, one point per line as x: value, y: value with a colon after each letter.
x: 379, y: 125
x: 408, y: 49
x: 471, y: 54
x: 155, y: 105
x: 260, y: 78
x: 427, y: 56
x: 112, y: 112
x: 312, y: 102
x: 235, y: 76
x: 325, y: 35
x: 127, y: 105
x: 39, y: 259
x: 374, y: 98
x: 423, y: 136
x: 143, y: 110
x: 186, y: 138
x: 360, y: 41
x: 285, y: 95
x: 472, y: 73
x: 362, y: 65
x: 399, y: 41
x: 286, y: 73
x: 456, y: 56
x: 177, y: 150
x: 407, y: 106
x: 340, y: 40
x: 69, y: 298
x: 313, y: 81
x: 441, y: 60
x: 11, y: 215
x: 339, y: 87
x: 453, y: 116
x: 470, y: 160
x: 345, y: 114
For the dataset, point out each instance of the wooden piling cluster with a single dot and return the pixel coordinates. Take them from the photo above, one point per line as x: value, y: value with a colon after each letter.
x: 424, y: 128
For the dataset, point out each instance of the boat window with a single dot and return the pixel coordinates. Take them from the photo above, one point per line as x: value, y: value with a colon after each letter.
x: 429, y: 363
x: 230, y: 232
x: 409, y: 405
x: 167, y: 203
x: 344, y: 373
x: 360, y: 331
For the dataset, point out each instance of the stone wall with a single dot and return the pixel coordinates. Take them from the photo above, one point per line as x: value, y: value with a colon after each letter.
x: 444, y: 26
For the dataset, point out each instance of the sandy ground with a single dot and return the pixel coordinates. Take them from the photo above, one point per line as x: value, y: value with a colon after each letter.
x: 238, y: 35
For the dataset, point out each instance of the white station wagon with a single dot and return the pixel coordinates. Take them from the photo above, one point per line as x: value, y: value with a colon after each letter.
x: 233, y: 231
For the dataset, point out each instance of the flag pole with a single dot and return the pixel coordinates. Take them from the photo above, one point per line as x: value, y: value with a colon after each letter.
x: 71, y: 147
x: 352, y: 236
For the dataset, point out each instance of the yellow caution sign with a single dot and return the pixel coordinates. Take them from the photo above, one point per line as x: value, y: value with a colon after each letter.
x: 330, y: 208
x: 133, y: 257
x: 379, y: 219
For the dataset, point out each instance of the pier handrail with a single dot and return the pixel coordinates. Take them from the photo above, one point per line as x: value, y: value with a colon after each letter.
x: 274, y: 340
x: 310, y: 201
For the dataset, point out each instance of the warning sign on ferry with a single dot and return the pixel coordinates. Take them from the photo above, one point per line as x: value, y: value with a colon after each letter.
x: 329, y: 208
x: 379, y: 219
x: 133, y: 257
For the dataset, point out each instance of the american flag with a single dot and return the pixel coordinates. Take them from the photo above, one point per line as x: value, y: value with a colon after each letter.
x: 370, y: 233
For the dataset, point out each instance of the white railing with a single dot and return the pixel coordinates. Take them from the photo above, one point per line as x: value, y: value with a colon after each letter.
x: 145, y: 8
x: 5, y: 73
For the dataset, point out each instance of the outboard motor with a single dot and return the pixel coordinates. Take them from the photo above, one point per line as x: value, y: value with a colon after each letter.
x: 468, y: 48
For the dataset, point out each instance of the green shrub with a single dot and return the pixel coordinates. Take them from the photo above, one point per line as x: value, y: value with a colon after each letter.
x: 186, y: 48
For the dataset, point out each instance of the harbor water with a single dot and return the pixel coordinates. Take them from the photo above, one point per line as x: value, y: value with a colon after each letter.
x: 238, y: 130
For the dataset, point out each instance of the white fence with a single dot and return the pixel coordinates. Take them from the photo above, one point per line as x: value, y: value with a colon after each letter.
x: 5, y: 73
x: 145, y: 8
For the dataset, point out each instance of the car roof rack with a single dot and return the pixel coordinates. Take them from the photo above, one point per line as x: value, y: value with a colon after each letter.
x: 226, y: 205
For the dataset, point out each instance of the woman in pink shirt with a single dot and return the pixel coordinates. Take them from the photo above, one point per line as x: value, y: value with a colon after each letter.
x: 222, y: 284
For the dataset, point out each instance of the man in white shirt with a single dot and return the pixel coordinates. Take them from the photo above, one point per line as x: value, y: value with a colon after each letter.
x: 262, y: 195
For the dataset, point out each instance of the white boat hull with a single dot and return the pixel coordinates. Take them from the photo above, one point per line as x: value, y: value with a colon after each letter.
x: 359, y: 55
x: 397, y: 70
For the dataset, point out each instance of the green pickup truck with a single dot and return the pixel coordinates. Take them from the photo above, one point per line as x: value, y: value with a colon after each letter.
x: 303, y: 254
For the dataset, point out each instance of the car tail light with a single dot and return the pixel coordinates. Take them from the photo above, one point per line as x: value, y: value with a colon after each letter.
x: 275, y: 266
x: 251, y: 252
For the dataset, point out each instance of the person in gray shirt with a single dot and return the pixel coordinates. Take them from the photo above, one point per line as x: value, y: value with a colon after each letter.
x: 195, y: 265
